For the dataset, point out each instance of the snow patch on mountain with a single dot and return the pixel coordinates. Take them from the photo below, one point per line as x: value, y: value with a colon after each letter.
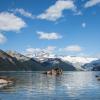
x: 75, y: 59
x: 18, y: 56
x: 94, y: 65
x: 78, y: 62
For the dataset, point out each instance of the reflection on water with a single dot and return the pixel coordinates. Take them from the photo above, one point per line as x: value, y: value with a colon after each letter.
x: 37, y: 86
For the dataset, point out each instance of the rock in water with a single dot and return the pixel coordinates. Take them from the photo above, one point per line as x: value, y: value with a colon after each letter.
x: 55, y: 71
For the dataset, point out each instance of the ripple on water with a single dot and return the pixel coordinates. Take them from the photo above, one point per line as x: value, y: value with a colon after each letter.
x: 36, y: 86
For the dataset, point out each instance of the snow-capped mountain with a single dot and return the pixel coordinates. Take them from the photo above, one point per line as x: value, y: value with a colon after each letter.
x: 13, y: 61
x: 57, y: 62
x: 94, y: 65
x: 45, y: 61
x: 78, y: 62
x: 41, y: 56
x: 18, y: 56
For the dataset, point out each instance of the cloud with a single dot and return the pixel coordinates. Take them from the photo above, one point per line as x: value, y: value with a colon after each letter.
x: 91, y: 3
x: 83, y: 24
x: 50, y: 49
x: 2, y: 39
x: 72, y: 48
x: 10, y: 22
x: 30, y: 52
x: 43, y: 52
x: 33, y: 50
x: 55, y: 11
x: 49, y: 36
x: 23, y: 12
x: 47, y: 49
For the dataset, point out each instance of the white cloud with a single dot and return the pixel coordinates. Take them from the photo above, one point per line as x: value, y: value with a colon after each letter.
x: 55, y: 11
x: 97, y: 55
x: 23, y: 12
x: 72, y: 48
x: 49, y: 36
x: 30, y: 52
x: 2, y: 39
x: 33, y: 50
x: 83, y: 24
x: 10, y: 22
x: 50, y: 49
x: 47, y: 49
x: 91, y: 3
x: 44, y: 52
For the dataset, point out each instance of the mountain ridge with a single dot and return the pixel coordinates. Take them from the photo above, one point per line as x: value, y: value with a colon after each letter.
x: 12, y: 60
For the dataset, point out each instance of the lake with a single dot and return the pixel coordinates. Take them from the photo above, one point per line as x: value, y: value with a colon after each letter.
x: 36, y: 86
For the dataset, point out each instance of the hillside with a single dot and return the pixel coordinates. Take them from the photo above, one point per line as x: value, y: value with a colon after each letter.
x: 14, y: 62
x: 56, y: 62
x: 93, y: 66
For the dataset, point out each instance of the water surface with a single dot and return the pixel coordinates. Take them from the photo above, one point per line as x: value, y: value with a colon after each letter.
x: 37, y: 86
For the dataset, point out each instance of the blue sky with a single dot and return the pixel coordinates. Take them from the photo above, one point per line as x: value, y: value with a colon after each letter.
x: 68, y: 27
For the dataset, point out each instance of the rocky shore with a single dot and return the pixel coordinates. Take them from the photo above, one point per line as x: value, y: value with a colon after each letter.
x: 4, y: 81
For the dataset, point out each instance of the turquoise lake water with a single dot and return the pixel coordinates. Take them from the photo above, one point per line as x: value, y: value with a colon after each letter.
x: 37, y: 86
